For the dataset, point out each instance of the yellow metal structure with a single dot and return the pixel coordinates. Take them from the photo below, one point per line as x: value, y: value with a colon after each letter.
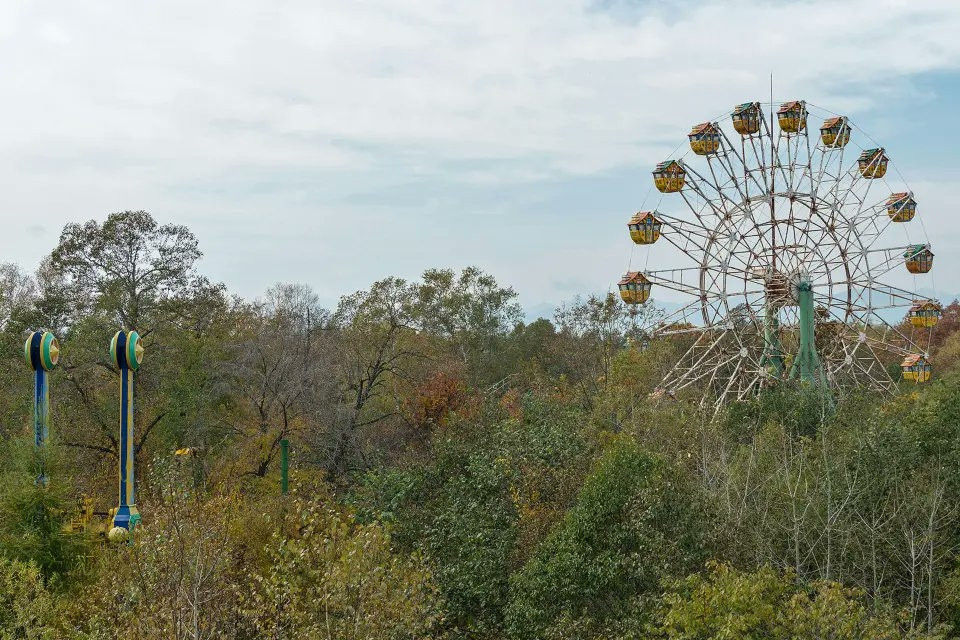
x: 669, y: 176
x: 88, y: 520
x: 792, y: 116
x: 644, y: 227
x: 746, y: 118
x: 704, y: 138
x: 634, y: 288
x: 925, y: 313
x: 873, y: 163
x: 835, y: 132
x: 901, y: 207
x: 83, y: 516
x: 916, y: 368
x: 919, y: 258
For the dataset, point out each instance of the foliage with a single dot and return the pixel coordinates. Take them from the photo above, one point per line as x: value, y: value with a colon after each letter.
x: 635, y: 522
x: 176, y: 579
x: 339, y: 579
x: 27, y: 609
x: 765, y: 604
x: 460, y: 473
x: 129, y: 265
x: 229, y: 566
x: 33, y: 516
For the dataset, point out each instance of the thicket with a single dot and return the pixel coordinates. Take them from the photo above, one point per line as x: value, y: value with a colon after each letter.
x: 457, y: 473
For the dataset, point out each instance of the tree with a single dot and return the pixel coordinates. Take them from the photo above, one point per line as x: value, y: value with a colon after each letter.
x: 376, y: 344
x: 470, y: 310
x: 17, y: 291
x: 33, y: 516
x: 636, y: 521
x: 130, y: 267
x: 593, y: 332
x: 177, y: 579
x: 280, y: 370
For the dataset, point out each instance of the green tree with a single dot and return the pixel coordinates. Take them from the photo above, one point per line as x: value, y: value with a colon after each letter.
x: 33, y: 516
x: 636, y: 521
x: 591, y: 334
x: 130, y: 266
x: 471, y: 311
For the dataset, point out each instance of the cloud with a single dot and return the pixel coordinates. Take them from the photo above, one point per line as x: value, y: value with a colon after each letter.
x: 381, y: 136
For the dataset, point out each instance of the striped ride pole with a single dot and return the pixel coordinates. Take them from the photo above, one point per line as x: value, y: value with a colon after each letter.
x: 41, y: 351
x: 126, y: 350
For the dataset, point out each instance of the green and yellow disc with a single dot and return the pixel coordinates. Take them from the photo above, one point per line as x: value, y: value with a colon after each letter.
x: 126, y: 349
x: 41, y: 351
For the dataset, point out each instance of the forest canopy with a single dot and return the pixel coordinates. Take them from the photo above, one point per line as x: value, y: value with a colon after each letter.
x: 455, y: 471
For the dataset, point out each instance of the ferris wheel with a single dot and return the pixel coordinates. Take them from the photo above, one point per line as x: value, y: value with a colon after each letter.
x: 791, y: 244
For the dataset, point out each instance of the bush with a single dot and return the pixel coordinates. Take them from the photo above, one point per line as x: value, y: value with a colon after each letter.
x: 27, y: 609
x: 766, y: 604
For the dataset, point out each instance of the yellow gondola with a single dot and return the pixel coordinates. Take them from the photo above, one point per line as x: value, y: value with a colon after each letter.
x: 792, y: 116
x: 916, y: 368
x: 669, y: 176
x: 901, y: 207
x: 634, y: 288
x: 925, y: 313
x: 835, y: 132
x: 919, y: 258
x: 644, y: 227
x: 704, y: 138
x: 746, y: 118
x: 873, y: 163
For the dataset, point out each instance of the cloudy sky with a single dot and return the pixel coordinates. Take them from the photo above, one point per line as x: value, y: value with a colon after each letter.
x: 335, y: 143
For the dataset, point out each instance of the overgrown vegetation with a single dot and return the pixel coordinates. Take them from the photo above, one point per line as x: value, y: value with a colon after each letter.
x: 457, y: 473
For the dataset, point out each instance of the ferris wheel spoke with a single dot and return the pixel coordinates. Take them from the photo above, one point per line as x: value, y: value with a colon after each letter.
x: 885, y: 296
x: 730, y: 150
x: 693, y: 281
x: 859, y: 360
x: 682, y: 320
x: 703, y: 360
x: 693, y: 184
x: 890, y: 258
x: 862, y: 208
x: 733, y: 378
x: 837, y: 197
x: 732, y: 182
x: 900, y: 344
x: 869, y: 224
x: 793, y: 179
x: 731, y: 206
x: 688, y: 238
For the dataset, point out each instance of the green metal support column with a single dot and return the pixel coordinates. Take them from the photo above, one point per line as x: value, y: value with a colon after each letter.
x: 772, y: 359
x: 806, y: 365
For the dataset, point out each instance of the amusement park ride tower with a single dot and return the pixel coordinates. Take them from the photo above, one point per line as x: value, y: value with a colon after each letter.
x: 126, y: 350
x: 42, y: 352
x: 789, y: 237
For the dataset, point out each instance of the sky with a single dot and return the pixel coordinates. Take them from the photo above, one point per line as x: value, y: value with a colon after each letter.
x: 336, y: 143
